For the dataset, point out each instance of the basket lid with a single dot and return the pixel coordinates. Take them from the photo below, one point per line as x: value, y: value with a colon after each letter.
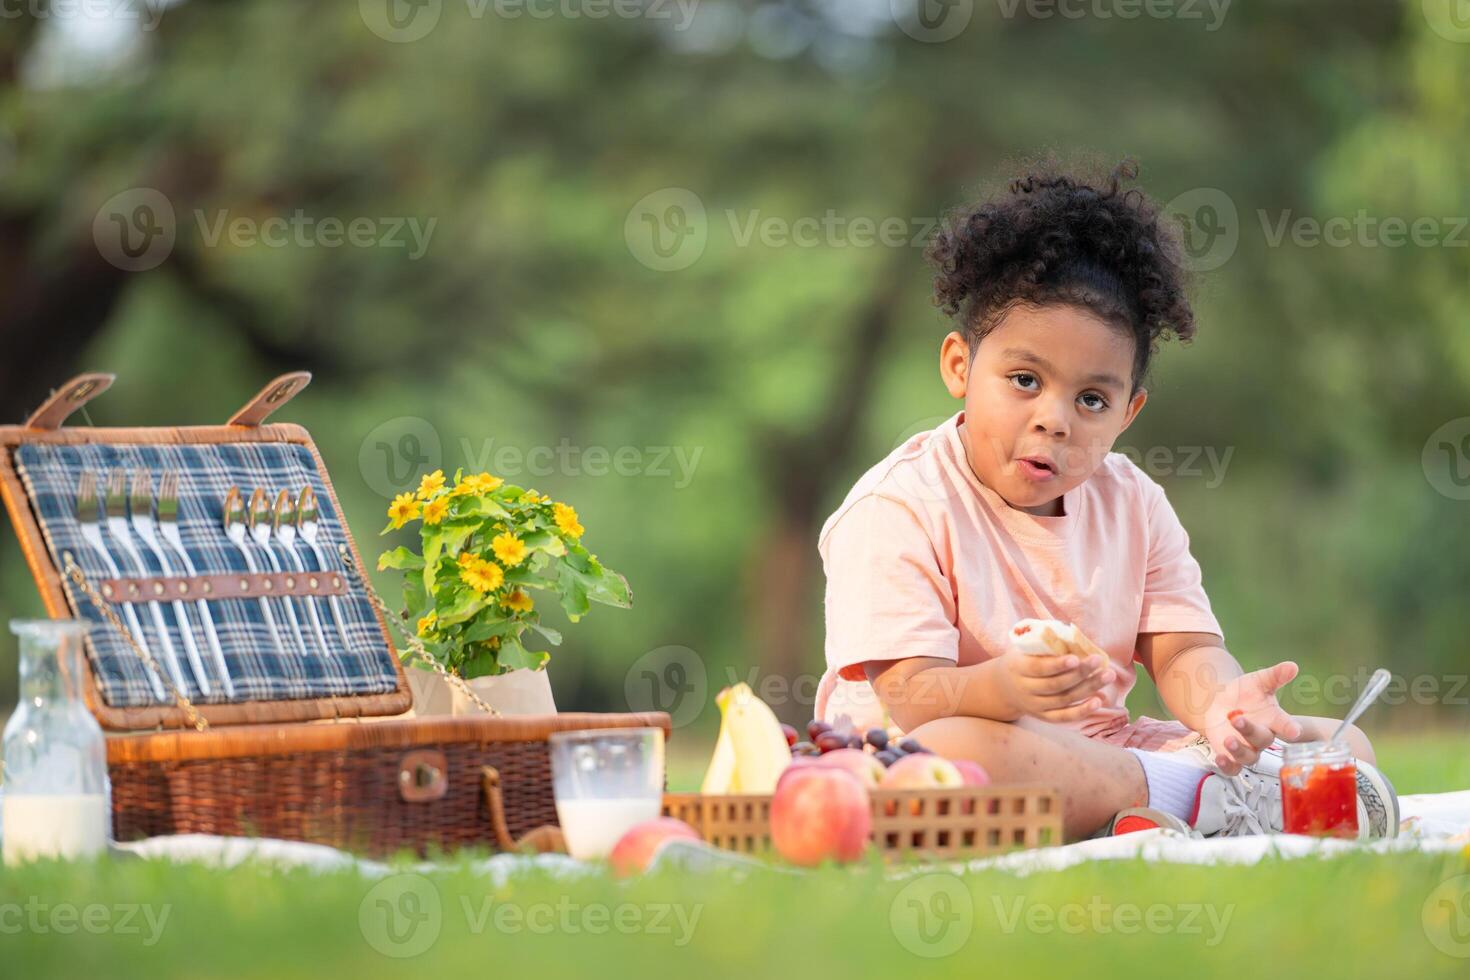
x: 310, y: 659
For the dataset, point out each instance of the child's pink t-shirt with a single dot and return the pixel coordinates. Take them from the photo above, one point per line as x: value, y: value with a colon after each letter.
x: 923, y: 560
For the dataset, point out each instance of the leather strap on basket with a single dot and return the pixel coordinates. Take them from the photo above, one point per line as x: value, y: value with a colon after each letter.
x: 271, y: 397
x: 543, y: 839
x: 228, y: 585
x: 68, y: 398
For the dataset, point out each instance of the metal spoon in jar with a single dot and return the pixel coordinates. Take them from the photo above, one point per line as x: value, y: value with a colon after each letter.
x: 1375, y: 687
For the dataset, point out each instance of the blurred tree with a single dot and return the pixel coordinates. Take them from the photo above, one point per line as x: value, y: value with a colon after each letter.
x: 523, y: 144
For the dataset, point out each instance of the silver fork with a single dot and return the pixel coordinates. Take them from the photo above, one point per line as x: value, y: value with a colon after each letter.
x: 234, y: 518
x: 140, y: 509
x: 168, y: 527
x: 117, y: 526
x: 259, y: 519
x: 283, y: 525
x: 306, y: 523
x: 89, y: 516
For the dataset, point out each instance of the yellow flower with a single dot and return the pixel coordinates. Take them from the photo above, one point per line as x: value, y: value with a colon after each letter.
x: 435, y: 510
x: 519, y: 601
x: 403, y: 509
x: 465, y: 557
x: 566, y: 520
x: 431, y: 484
x: 487, y: 483
x: 478, y: 483
x: 510, y: 549
x: 482, y: 576
x: 532, y: 497
x: 427, y: 623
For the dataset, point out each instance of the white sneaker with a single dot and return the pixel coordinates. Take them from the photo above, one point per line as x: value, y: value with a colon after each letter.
x: 1224, y: 806
x: 1378, y: 803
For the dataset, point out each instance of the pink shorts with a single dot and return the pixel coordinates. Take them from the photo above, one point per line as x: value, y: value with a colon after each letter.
x: 1149, y: 734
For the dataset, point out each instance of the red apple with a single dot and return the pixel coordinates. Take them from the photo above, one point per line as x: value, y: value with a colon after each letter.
x: 820, y: 812
x: 635, y: 850
x: 973, y: 773
x: 920, y: 771
x: 862, y: 765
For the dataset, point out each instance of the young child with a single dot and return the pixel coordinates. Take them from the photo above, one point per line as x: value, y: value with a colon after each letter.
x: 1016, y: 508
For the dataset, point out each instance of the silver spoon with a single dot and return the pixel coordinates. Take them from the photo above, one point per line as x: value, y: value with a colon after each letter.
x: 235, y: 531
x: 1375, y: 687
x: 258, y: 516
x: 283, y: 523
x: 306, y: 523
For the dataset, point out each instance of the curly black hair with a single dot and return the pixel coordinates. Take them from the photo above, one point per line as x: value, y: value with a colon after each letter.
x: 1057, y: 238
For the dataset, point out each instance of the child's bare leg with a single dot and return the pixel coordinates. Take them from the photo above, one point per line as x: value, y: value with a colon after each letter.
x: 1320, y: 729
x: 1096, y: 779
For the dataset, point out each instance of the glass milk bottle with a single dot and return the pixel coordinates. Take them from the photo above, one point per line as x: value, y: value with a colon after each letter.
x: 57, y: 802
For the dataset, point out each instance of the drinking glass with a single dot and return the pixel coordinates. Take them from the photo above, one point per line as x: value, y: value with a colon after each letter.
x: 605, y: 781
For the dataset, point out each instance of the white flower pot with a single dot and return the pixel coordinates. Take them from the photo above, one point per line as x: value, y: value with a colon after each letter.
x: 520, y: 692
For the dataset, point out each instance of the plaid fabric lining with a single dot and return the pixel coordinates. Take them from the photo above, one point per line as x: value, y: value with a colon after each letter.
x: 259, y: 670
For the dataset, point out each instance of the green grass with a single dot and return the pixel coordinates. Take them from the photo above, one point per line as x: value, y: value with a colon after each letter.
x: 1359, y: 915
x: 1417, y: 762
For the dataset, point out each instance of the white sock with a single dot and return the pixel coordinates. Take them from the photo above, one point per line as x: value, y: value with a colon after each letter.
x: 1172, y: 785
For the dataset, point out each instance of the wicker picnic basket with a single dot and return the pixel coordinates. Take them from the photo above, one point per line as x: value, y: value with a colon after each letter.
x: 932, y: 824
x: 305, y: 749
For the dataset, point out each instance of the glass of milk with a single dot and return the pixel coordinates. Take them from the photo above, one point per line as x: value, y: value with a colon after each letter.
x: 57, y: 801
x: 606, y: 781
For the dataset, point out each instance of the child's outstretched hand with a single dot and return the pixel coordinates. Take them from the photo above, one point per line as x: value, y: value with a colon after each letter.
x: 1244, y: 717
x: 1054, y: 687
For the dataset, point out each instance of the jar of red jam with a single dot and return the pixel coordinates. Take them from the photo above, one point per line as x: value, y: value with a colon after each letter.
x: 1319, y: 790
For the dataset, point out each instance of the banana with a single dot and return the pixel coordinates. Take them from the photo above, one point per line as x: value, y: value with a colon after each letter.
x: 720, y: 777
x: 761, y: 753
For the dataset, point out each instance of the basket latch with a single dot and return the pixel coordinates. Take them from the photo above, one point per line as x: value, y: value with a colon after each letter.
x: 68, y: 398
x: 275, y: 394
x: 423, y: 775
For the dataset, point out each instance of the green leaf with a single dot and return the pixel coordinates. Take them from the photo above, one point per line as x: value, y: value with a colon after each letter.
x: 476, y: 505
x: 479, y: 661
x: 415, y: 596
x: 552, y: 636
x: 612, y: 590
x: 484, y: 629
x: 546, y: 542
x: 401, y: 558
x: 573, y: 594
x: 513, y: 655
x: 463, y: 607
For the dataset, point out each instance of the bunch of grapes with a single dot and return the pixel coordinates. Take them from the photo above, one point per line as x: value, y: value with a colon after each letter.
x: 822, y: 738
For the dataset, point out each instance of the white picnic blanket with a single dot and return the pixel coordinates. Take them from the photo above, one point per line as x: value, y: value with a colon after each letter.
x: 1431, y: 822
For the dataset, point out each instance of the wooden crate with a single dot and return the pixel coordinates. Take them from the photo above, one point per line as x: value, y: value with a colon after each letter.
x: 936, y: 824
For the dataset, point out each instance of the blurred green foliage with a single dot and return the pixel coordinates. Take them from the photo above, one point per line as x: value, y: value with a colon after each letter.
x: 782, y: 370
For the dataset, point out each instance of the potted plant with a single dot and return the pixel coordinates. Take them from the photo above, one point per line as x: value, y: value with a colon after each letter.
x: 487, y: 548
